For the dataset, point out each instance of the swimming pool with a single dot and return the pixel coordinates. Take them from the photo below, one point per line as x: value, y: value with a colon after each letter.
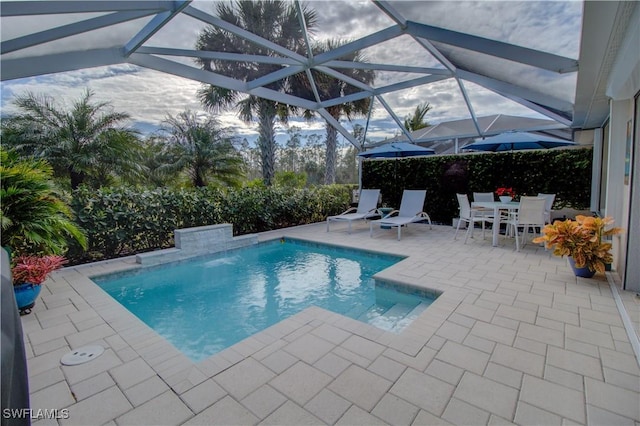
x: 205, y: 305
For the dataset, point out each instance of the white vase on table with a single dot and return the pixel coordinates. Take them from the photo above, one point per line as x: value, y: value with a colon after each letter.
x: 505, y: 198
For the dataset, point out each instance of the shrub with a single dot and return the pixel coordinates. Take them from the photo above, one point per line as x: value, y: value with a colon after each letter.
x: 566, y: 173
x: 124, y: 221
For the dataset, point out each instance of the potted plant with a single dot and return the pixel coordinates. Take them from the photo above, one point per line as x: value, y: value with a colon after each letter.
x: 582, y: 240
x: 505, y: 194
x: 29, y: 272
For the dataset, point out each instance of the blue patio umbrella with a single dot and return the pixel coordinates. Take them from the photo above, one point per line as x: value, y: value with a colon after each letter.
x: 513, y: 141
x: 396, y: 150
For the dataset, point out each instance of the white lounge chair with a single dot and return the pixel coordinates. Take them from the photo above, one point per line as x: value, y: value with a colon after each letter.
x: 410, y: 211
x: 367, y: 207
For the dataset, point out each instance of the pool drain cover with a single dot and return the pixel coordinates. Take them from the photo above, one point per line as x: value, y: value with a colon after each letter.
x: 82, y: 355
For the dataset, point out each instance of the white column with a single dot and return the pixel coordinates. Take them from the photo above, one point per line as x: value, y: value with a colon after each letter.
x: 596, y: 170
x: 616, y: 200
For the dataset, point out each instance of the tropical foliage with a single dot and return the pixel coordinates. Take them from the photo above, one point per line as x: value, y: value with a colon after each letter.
x: 201, y: 148
x: 86, y: 143
x: 416, y: 121
x: 34, y: 217
x: 35, y: 269
x: 124, y: 221
x: 275, y: 21
x: 582, y: 239
x: 566, y: 173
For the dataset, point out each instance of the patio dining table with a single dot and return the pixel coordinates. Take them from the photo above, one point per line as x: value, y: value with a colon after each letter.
x: 497, y: 206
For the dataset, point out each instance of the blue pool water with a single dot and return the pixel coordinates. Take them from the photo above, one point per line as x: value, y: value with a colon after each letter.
x: 205, y: 305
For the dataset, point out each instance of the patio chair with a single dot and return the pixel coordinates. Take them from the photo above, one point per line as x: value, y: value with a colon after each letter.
x: 484, y: 197
x: 471, y: 217
x: 548, y: 204
x: 530, y: 215
x: 367, y: 207
x: 410, y: 211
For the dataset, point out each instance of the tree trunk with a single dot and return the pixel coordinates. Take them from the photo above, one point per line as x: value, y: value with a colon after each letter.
x: 267, y: 141
x: 199, y: 181
x: 330, y: 157
x: 77, y: 178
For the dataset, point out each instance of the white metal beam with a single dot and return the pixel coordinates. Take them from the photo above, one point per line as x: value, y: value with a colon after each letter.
x: 518, y: 91
x: 352, y: 81
x: 495, y: 48
x: 359, y: 44
x: 224, y: 56
x: 386, y: 67
x: 560, y: 118
x: 386, y: 7
x: 335, y: 123
x: 305, y: 33
x: 410, y: 83
x: 159, y: 21
x: 469, y: 106
x: 217, y: 22
x: 314, y: 88
x: 11, y: 69
x: 274, y: 76
x: 70, y: 29
x: 395, y: 117
x: 181, y: 70
x: 402, y: 21
x: 29, y: 8
x: 353, y: 97
x: 429, y: 47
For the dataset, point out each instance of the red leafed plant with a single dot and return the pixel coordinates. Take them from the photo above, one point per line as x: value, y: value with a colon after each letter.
x: 505, y: 192
x: 34, y: 269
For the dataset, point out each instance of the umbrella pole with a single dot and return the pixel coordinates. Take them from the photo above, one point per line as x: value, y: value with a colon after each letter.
x: 359, y: 174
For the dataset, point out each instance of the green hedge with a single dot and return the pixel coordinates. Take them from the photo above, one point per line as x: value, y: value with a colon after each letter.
x: 567, y: 173
x: 123, y: 221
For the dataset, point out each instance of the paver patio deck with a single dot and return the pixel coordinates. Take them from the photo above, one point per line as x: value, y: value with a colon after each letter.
x: 514, y: 338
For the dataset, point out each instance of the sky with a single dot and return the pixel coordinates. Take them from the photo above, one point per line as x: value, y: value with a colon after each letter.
x: 149, y: 96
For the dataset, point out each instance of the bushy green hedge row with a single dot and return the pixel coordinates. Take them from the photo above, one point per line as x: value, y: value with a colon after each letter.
x: 124, y: 221
x: 566, y: 173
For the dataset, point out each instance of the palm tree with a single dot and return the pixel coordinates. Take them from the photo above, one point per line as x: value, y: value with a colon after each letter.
x: 329, y: 88
x: 202, y: 149
x: 416, y: 121
x: 276, y: 21
x: 153, y: 157
x: 80, y: 143
x: 34, y: 218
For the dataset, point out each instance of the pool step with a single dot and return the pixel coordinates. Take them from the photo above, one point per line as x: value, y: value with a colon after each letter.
x: 419, y: 309
x: 386, y: 318
x: 410, y: 317
x: 399, y: 310
x: 358, y: 312
x: 393, y: 318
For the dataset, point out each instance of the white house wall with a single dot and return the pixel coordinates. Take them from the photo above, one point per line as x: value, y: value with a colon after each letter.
x: 623, y: 85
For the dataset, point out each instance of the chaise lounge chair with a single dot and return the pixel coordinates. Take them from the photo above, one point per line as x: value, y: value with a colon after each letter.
x: 367, y: 207
x: 410, y: 211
